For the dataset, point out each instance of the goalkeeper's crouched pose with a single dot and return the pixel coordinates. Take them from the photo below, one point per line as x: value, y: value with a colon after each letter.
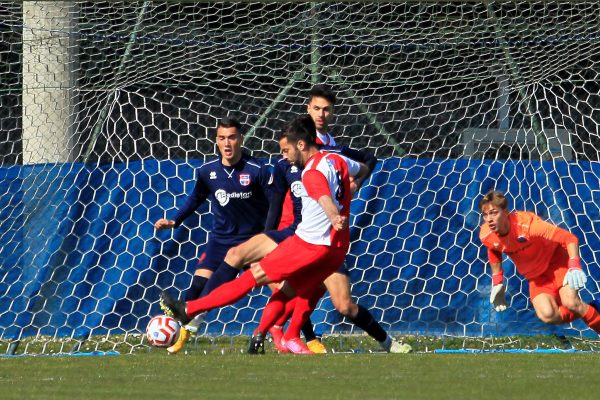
x: 546, y: 255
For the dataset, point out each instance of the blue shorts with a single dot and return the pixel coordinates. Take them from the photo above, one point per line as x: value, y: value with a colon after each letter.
x: 215, y: 251
x: 280, y: 235
x: 343, y: 269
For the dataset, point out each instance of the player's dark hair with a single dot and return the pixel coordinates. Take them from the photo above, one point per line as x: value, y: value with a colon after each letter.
x: 230, y: 122
x: 494, y: 197
x: 300, y: 128
x: 322, y: 91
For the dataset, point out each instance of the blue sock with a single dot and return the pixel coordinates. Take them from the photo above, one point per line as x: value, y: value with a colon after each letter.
x: 308, y: 331
x: 198, y: 283
x: 223, y: 274
x: 367, y: 323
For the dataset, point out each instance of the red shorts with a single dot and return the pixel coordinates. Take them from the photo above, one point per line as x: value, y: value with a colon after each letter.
x: 551, y: 280
x: 303, y: 265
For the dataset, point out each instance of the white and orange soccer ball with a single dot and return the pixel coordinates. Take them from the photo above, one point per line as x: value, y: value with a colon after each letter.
x: 162, y: 331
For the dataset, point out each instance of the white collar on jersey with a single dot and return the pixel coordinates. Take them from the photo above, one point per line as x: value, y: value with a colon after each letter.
x: 325, y: 138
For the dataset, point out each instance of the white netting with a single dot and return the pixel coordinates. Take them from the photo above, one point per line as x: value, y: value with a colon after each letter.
x: 106, y: 108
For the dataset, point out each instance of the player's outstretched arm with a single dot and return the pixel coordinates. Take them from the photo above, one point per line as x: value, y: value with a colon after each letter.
x: 364, y: 157
x: 498, y: 293
x: 164, y: 223
x: 191, y: 204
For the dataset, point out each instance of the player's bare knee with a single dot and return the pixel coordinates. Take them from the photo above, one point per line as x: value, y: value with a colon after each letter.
x: 548, y: 316
x: 234, y: 256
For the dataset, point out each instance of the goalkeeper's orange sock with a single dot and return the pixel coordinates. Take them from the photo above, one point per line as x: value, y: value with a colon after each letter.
x: 592, y: 318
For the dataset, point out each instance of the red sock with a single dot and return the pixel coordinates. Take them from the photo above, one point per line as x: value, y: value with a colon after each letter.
x: 566, y: 315
x: 592, y: 318
x: 273, y: 310
x: 287, y: 313
x: 305, y: 305
x: 225, y: 294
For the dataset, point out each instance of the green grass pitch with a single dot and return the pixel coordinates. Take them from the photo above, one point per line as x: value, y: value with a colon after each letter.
x: 154, y: 375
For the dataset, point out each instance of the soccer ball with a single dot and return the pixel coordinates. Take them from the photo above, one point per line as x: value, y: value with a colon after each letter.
x: 162, y: 331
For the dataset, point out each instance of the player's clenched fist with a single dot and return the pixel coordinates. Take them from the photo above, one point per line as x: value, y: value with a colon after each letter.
x: 339, y: 222
x: 164, y: 224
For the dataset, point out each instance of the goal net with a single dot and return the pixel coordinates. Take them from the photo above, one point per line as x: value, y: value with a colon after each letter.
x: 107, y: 109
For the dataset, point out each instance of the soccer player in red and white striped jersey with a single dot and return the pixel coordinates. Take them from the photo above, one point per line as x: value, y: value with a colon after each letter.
x: 321, y: 241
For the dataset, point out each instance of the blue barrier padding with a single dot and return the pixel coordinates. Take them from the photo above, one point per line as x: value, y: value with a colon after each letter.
x: 79, y: 254
x: 489, y: 351
x: 76, y: 354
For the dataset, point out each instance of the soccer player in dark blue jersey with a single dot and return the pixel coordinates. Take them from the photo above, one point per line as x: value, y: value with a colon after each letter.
x: 237, y: 186
x: 320, y: 107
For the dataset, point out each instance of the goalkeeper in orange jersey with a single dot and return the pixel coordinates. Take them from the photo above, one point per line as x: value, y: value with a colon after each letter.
x: 546, y: 255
